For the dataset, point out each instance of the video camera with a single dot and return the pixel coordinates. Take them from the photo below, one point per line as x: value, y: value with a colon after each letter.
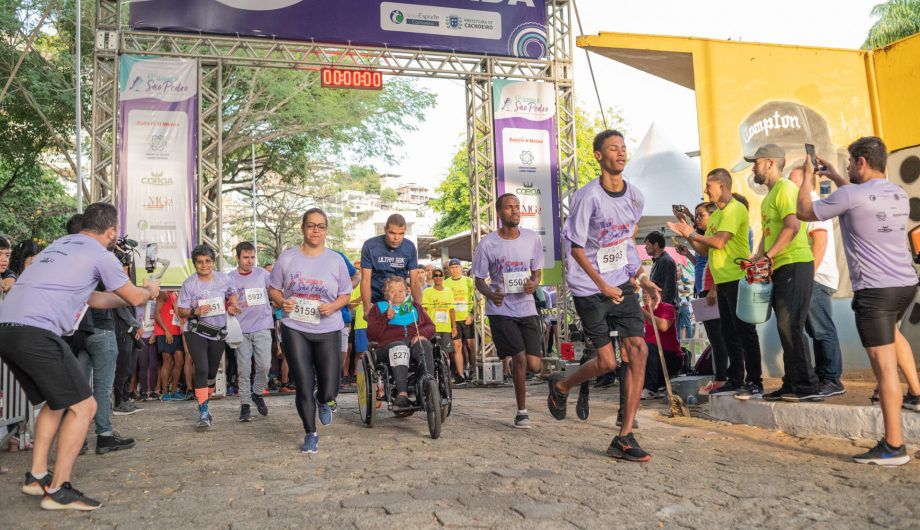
x: 125, y: 250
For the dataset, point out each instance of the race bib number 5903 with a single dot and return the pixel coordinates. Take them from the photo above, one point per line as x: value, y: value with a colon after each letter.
x: 612, y: 258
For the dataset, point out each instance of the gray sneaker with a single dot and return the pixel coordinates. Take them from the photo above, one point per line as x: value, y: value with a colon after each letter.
x: 124, y: 409
x: 522, y: 421
x: 828, y: 388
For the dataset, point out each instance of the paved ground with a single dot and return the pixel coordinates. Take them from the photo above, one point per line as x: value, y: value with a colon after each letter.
x: 480, y: 473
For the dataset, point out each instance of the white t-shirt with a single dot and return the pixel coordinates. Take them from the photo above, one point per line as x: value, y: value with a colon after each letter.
x: 827, y: 273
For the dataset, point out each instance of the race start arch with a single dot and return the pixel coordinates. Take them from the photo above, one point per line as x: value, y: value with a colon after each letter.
x: 489, y: 44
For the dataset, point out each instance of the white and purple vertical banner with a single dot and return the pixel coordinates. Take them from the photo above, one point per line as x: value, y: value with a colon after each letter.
x: 527, y: 160
x: 157, y: 163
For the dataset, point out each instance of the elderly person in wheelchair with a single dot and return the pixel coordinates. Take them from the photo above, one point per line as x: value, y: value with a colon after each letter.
x: 402, y: 331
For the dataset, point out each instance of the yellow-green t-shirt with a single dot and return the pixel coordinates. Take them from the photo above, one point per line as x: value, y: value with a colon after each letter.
x: 734, y: 220
x: 463, y: 295
x: 360, y: 323
x: 779, y: 203
x: 438, y: 305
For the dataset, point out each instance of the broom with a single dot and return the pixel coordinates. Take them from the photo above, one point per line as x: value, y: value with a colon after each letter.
x: 678, y: 407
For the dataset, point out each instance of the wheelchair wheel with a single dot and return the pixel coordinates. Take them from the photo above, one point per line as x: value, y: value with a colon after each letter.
x: 433, y: 407
x: 366, y: 389
x: 445, y: 387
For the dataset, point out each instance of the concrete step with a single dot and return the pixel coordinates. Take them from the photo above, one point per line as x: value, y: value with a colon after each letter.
x: 813, y: 419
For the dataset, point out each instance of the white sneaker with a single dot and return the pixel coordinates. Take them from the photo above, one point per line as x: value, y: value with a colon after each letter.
x: 646, y: 394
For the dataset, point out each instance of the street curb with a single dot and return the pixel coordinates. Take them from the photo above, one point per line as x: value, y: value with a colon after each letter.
x: 810, y: 419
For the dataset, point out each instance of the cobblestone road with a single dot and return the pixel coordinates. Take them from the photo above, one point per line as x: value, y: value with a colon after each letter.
x: 481, y: 473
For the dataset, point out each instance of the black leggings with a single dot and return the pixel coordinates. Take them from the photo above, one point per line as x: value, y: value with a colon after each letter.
x: 314, y: 359
x: 417, y: 351
x: 206, y: 354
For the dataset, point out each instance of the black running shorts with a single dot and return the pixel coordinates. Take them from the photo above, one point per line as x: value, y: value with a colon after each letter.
x: 43, y: 364
x: 514, y: 335
x: 599, y: 316
x: 878, y: 312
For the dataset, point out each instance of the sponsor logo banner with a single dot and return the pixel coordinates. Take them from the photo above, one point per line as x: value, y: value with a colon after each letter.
x: 526, y: 161
x: 514, y: 28
x: 156, y: 178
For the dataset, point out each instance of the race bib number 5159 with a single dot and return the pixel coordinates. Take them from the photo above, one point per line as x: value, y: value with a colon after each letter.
x: 306, y: 311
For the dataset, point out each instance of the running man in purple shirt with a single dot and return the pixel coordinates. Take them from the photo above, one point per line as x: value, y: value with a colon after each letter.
x: 873, y: 217
x: 257, y: 326
x: 511, y: 258
x: 603, y: 271
x: 48, y: 302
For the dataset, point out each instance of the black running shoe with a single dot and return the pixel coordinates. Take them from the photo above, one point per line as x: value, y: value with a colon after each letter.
x: 105, y: 444
x: 605, y: 382
x: 401, y: 402
x: 260, y: 405
x: 750, y: 391
x: 911, y: 402
x: 777, y: 394
x: 884, y: 455
x: 36, y: 486
x: 799, y: 397
x: 245, y: 414
x: 626, y: 448
x: 68, y: 498
x: 582, y: 408
x: 556, y: 400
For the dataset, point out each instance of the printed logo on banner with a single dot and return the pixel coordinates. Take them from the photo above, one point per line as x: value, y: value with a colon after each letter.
x: 454, y: 21
x: 156, y: 178
x: 527, y: 157
x: 518, y: 100
x: 158, y: 202
x: 527, y: 189
x: 436, y: 20
x: 397, y: 17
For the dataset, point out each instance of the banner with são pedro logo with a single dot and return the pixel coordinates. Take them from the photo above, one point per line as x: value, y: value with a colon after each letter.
x: 527, y: 161
x: 156, y: 175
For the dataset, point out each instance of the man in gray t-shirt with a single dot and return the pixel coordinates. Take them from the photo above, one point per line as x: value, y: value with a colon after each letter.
x: 873, y: 223
x: 48, y: 302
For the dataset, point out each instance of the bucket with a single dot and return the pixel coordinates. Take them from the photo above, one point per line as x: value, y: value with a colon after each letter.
x: 567, y: 351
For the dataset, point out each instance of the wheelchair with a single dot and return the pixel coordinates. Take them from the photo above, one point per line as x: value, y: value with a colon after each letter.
x: 429, y: 393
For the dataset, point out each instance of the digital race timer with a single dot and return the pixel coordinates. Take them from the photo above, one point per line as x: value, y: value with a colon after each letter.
x: 349, y: 78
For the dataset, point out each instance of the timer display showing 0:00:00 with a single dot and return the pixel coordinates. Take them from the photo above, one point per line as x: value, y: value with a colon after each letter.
x: 363, y: 79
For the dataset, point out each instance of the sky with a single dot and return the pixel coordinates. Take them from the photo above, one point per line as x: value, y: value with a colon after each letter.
x: 643, y: 99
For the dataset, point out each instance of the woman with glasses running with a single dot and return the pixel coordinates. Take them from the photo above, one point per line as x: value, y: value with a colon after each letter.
x: 206, y: 298
x: 311, y: 284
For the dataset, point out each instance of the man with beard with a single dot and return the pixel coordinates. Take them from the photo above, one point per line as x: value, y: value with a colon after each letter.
x: 49, y: 301
x: 785, y: 246
x: 511, y: 258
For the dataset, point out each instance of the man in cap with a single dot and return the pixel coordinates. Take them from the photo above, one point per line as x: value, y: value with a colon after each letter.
x: 462, y: 286
x: 784, y: 245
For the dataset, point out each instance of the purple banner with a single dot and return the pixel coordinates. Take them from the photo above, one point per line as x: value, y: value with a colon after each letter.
x: 527, y: 160
x: 494, y: 27
x: 158, y: 100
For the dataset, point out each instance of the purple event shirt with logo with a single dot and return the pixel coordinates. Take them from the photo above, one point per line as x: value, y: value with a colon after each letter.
x: 53, y: 291
x: 257, y: 317
x: 194, y: 289
x: 323, y: 278
x: 873, y: 222
x: 496, y: 256
x: 599, y: 220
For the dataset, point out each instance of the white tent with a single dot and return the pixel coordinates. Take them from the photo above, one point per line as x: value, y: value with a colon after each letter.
x: 666, y: 176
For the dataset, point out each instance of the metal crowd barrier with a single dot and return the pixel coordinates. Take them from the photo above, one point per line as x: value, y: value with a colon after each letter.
x: 14, y: 406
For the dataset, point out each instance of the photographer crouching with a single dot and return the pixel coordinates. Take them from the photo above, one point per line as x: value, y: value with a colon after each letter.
x: 47, y: 302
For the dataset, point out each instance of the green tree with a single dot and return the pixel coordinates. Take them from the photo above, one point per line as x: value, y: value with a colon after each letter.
x: 36, y: 207
x: 896, y: 19
x: 388, y: 196
x: 453, y: 195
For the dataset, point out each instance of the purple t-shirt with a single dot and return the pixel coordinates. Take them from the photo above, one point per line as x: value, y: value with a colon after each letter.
x: 252, y: 297
x: 145, y: 317
x: 873, y: 222
x: 52, y: 293
x: 603, y: 225
x: 194, y: 291
x: 507, y: 264
x: 319, y: 279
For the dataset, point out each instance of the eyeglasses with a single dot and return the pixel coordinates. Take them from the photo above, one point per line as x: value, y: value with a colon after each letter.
x: 314, y: 226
